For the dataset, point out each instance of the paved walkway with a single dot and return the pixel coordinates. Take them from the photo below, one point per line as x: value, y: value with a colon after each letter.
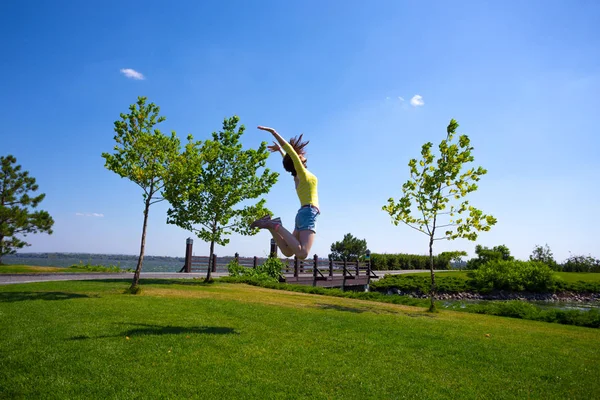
x: 30, y: 278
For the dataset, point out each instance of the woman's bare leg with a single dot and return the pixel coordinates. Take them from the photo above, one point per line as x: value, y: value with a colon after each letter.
x: 299, y: 242
x: 281, y: 243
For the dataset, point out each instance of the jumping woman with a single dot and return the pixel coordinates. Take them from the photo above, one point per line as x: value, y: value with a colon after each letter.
x: 301, y: 240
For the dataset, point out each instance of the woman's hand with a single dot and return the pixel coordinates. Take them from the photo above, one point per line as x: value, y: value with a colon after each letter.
x: 265, y: 128
x: 274, y: 147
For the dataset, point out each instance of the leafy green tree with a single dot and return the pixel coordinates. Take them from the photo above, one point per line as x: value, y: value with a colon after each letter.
x: 452, y: 257
x: 544, y: 255
x: 349, y: 249
x: 145, y: 156
x: 485, y: 255
x: 16, y: 216
x: 213, y: 197
x: 436, y: 187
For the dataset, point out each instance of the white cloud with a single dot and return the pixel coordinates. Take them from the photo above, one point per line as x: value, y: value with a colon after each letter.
x: 417, y: 101
x: 133, y: 74
x: 89, y: 215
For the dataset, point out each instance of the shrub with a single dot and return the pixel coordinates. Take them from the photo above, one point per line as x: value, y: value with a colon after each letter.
x: 532, y: 276
x: 99, y: 268
x: 485, y: 255
x: 392, y: 262
x: 421, y: 284
x: 270, y: 270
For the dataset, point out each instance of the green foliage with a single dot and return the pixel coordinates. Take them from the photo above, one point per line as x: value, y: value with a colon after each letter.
x: 525, y: 310
x: 16, y: 204
x: 435, y: 190
x: 434, y: 183
x: 514, y: 275
x: 460, y: 282
x: 421, y: 284
x: 544, y: 255
x: 485, y: 255
x: 349, y: 249
x: 99, y: 268
x: 581, y: 263
x: 145, y: 156
x: 211, y: 196
x: 270, y: 270
x: 391, y: 262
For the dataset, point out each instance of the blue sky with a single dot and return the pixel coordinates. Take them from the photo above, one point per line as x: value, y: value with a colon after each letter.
x: 521, y: 78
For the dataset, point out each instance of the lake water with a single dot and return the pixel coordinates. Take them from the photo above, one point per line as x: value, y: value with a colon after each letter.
x: 151, y: 263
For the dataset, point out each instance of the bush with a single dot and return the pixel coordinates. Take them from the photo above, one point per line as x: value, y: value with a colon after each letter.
x: 270, y: 270
x: 100, y: 268
x: 421, y: 284
x: 517, y: 276
x: 524, y: 310
x: 392, y: 262
x: 485, y: 255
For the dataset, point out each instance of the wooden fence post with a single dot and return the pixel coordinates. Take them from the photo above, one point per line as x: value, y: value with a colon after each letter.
x: 357, y: 267
x: 188, y: 255
x: 344, y: 280
x: 315, y: 266
x: 295, y: 266
x: 330, y: 266
x: 214, y: 263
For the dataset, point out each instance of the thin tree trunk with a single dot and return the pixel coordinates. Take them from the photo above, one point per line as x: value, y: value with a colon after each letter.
x: 212, y: 251
x: 210, y: 260
x: 138, y: 269
x: 432, y: 291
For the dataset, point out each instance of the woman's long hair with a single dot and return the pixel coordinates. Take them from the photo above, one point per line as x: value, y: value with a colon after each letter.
x: 298, y: 145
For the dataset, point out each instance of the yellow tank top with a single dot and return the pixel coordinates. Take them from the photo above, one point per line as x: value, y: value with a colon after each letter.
x: 307, y: 182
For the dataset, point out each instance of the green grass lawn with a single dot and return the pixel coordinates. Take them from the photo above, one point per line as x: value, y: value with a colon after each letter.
x: 85, y: 339
x: 30, y: 269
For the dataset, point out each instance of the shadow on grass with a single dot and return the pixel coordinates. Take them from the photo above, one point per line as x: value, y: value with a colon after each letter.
x: 146, y: 329
x: 12, y: 297
x: 341, y: 308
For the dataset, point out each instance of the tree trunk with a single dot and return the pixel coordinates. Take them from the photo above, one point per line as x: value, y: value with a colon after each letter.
x: 210, y: 260
x: 1, y: 248
x: 138, y: 269
x: 432, y: 291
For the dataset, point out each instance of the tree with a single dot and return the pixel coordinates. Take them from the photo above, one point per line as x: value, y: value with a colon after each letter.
x: 145, y: 156
x: 206, y: 198
x: 16, y: 216
x: 544, y: 255
x: 349, y: 249
x: 437, y: 186
x: 485, y: 255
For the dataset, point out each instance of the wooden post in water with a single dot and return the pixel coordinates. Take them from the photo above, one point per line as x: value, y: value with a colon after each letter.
x: 237, y: 257
x: 255, y: 263
x: 188, y: 255
x: 273, y: 252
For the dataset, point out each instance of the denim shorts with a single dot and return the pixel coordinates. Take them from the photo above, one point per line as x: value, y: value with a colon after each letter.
x: 306, y: 219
